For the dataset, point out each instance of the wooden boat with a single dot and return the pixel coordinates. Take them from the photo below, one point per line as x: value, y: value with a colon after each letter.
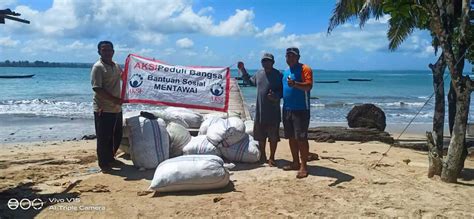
x: 359, y: 79
x: 16, y: 76
x: 326, y: 82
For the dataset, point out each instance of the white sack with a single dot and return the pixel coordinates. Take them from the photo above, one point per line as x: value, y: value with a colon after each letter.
x: 200, y: 145
x: 149, y: 142
x: 208, y: 122
x: 191, y: 118
x: 226, y: 132
x: 190, y: 173
x: 245, y: 151
x: 179, y: 137
x: 249, y: 127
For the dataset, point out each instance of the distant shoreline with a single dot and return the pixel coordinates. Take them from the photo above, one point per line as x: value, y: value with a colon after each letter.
x: 42, y: 64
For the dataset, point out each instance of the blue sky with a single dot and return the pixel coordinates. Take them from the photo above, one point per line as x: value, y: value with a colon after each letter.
x: 208, y: 32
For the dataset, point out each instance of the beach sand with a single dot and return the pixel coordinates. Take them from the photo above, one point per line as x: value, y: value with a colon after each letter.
x: 341, y: 184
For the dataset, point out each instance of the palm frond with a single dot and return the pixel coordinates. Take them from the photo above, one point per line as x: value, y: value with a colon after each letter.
x: 399, y: 29
x: 371, y: 8
x: 344, y: 10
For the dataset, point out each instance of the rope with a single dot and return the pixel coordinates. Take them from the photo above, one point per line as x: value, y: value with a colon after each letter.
x: 409, y: 123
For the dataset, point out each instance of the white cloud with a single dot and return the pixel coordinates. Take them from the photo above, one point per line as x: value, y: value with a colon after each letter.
x: 6, y: 3
x: 275, y: 29
x: 205, y: 10
x: 184, y: 43
x: 103, y: 18
x: 8, y: 42
x: 382, y: 20
x: 78, y: 45
x: 149, y: 37
x: 349, y: 37
x: 238, y: 24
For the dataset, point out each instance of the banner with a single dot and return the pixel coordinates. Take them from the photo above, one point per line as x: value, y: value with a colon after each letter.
x: 154, y: 82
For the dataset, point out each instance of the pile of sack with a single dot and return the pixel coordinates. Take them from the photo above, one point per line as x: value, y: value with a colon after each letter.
x: 160, y: 139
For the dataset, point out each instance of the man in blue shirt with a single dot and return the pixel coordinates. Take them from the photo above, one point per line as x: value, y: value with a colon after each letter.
x: 297, y: 84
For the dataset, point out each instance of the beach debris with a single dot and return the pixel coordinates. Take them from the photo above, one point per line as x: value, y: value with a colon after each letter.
x: 217, y: 199
x: 98, y: 188
x: 332, y: 159
x: 143, y: 193
x: 406, y: 161
x: 313, y: 156
x: 339, y: 133
x: 374, y: 152
x: 89, y: 137
x: 366, y: 116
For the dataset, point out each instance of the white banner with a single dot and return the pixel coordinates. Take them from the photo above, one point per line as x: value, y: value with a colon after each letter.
x: 154, y: 82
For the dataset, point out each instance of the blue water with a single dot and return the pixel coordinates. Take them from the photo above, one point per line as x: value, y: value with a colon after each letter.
x: 66, y: 93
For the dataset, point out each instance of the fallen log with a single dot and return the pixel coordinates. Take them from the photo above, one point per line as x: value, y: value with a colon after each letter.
x: 339, y: 133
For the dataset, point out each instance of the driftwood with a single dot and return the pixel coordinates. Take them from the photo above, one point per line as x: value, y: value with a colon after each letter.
x: 338, y: 133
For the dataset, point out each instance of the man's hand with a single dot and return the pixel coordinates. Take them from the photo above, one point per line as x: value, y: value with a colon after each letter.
x: 291, y: 83
x: 271, y: 96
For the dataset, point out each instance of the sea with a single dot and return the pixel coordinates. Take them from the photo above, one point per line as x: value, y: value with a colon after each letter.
x: 56, y: 104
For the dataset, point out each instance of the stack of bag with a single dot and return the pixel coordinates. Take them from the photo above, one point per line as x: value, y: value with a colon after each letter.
x: 160, y: 139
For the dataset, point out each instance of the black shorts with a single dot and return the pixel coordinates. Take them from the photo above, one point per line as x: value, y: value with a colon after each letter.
x: 263, y: 131
x: 296, y: 123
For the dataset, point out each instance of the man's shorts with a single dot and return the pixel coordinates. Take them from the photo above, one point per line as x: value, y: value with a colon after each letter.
x: 263, y: 131
x: 296, y: 123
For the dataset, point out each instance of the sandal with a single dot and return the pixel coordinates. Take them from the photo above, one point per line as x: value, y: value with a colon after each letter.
x: 302, y: 174
x: 291, y: 167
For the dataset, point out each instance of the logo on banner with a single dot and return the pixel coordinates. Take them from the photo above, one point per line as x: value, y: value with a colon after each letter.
x: 217, y: 90
x: 136, y: 80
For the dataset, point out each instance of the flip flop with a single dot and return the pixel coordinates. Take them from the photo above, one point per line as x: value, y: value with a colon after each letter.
x: 302, y: 174
x: 290, y: 167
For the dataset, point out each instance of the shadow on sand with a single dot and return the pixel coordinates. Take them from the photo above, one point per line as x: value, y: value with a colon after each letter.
x: 322, y: 171
x: 229, y: 188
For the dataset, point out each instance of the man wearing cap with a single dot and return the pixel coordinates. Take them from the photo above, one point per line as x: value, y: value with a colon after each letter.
x: 297, y: 84
x: 267, y: 113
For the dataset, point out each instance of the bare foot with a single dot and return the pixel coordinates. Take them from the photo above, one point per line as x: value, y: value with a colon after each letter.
x: 271, y: 163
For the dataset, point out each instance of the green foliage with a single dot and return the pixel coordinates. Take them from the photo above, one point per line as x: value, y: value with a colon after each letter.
x: 406, y: 15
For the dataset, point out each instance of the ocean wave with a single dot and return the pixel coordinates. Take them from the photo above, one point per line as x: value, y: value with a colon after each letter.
x: 401, y: 104
x: 333, y: 105
x: 43, y: 107
x: 410, y: 115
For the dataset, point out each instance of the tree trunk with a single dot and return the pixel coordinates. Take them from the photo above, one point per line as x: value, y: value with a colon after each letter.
x: 443, y: 26
x: 451, y: 107
x: 435, y: 157
x: 454, y: 161
x: 438, y: 85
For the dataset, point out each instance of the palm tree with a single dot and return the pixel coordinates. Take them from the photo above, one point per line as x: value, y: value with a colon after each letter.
x: 449, y: 25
